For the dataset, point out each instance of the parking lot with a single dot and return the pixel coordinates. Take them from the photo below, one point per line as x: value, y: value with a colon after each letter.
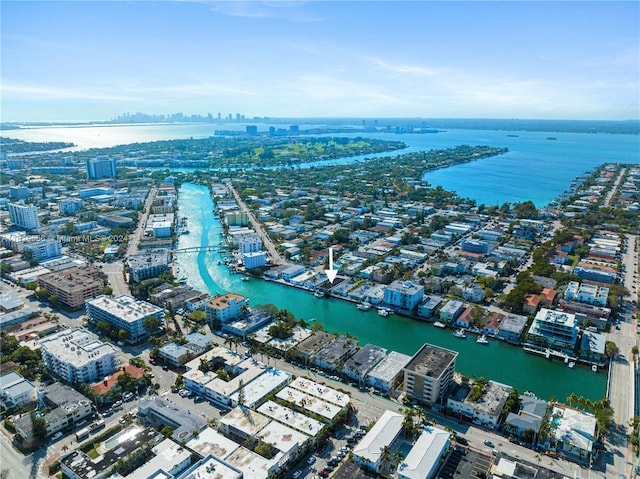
x: 463, y: 462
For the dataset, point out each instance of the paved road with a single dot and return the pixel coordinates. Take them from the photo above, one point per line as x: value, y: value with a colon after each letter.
x: 266, y: 241
x: 134, y: 241
x: 614, y: 188
x: 621, y: 375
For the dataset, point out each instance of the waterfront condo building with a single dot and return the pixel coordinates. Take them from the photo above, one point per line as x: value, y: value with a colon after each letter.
x: 24, y: 216
x: 75, y: 356
x: 102, y: 167
x: 72, y: 286
x: 404, y: 294
x: 225, y: 307
x: 429, y: 374
x: 126, y: 313
x: 554, y: 329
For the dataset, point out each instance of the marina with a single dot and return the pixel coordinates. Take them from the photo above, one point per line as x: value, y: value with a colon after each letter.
x: 394, y: 332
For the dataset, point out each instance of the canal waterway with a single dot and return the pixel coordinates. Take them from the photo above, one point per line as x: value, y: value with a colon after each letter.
x: 498, y: 361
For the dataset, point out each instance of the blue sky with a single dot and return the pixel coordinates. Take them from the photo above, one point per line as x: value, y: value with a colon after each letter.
x: 85, y: 60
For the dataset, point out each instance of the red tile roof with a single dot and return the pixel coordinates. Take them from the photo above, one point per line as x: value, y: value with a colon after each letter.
x: 107, y: 384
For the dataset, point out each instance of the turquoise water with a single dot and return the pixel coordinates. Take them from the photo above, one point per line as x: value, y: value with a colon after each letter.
x: 497, y: 361
x: 535, y: 168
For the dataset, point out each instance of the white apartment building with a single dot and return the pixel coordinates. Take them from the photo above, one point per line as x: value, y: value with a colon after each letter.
x: 403, y: 294
x: 429, y: 374
x: 124, y: 312
x: 44, y: 249
x: 24, y: 216
x: 225, y: 307
x: 70, y: 206
x: 15, y: 390
x: 76, y: 356
x: 587, y: 293
x: 255, y: 260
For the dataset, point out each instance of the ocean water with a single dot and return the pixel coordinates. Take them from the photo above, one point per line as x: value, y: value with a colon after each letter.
x: 536, y: 168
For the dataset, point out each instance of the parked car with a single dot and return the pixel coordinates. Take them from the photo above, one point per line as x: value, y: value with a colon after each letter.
x: 311, y: 459
x: 297, y: 474
x: 489, y: 443
x: 56, y: 436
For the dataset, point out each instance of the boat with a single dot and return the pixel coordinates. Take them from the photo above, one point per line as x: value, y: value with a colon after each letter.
x: 460, y: 334
x: 438, y: 324
x: 245, y: 278
x: 551, y: 138
x: 364, y: 306
x: 594, y: 368
x: 384, y: 312
x: 482, y: 339
x: 319, y: 294
x: 571, y: 364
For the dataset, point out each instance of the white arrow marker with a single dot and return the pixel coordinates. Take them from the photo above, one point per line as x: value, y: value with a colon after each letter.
x: 331, y: 273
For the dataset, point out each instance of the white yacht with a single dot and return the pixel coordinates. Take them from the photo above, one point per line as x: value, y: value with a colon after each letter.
x: 460, y: 334
x: 364, y: 306
x: 482, y: 339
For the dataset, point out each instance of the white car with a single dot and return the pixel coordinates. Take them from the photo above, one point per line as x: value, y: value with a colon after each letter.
x: 56, y: 436
x: 297, y: 474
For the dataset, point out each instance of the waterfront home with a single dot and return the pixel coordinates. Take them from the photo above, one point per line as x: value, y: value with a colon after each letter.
x: 466, y: 317
x: 451, y: 310
x: 428, y: 307
x: 492, y: 323
x: 512, y: 328
x: 473, y: 293
x: 592, y: 346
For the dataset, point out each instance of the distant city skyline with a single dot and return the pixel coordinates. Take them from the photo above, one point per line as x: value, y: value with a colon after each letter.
x: 84, y: 60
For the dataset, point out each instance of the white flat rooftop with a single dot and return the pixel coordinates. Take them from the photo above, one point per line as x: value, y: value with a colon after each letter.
x: 167, y: 455
x: 261, y: 386
x: 424, y: 457
x: 282, y: 437
x: 383, y: 433
x: 309, y: 403
x: 252, y: 465
x: 321, y: 391
x: 292, y: 418
x: 245, y: 420
x: 211, y: 467
x: 211, y: 442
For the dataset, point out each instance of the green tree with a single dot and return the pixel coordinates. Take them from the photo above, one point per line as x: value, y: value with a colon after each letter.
x: 151, y: 324
x: 39, y: 429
